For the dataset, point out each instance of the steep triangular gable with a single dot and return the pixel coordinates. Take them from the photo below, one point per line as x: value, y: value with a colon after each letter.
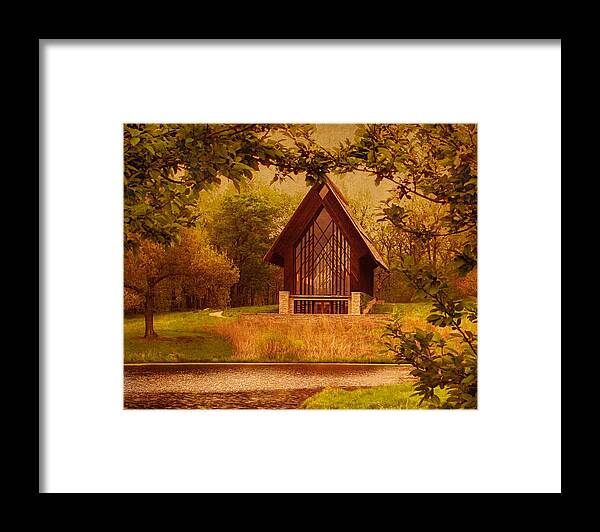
x: 307, y: 210
x: 346, y: 206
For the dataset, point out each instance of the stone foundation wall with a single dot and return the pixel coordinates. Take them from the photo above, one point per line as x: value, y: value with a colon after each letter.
x: 285, y: 306
x: 357, y: 303
x: 354, y: 304
x: 338, y: 318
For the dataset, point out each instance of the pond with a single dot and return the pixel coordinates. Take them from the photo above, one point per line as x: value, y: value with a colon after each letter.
x: 235, y: 386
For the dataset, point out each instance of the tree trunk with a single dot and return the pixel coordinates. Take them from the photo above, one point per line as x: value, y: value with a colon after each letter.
x: 149, y: 314
x: 173, y: 302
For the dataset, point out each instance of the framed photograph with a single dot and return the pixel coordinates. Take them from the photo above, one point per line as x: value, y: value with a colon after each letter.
x: 328, y: 266
x: 252, y: 281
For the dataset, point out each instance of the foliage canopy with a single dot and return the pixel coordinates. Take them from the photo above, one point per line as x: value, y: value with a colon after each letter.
x: 166, y: 166
x: 435, y: 163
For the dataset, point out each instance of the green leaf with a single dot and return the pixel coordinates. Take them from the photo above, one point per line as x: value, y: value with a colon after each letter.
x: 134, y: 141
x: 468, y: 379
x: 141, y: 208
x: 242, y: 166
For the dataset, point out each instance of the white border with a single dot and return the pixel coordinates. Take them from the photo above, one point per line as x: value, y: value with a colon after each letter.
x: 511, y: 444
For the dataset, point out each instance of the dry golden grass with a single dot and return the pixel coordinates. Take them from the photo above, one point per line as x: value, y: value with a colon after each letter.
x: 312, y: 340
x: 251, y: 334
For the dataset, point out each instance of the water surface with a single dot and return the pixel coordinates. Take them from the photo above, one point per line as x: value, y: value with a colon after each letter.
x: 246, y: 385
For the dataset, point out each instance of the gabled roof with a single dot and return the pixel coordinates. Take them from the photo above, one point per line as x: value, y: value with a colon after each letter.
x: 274, y: 255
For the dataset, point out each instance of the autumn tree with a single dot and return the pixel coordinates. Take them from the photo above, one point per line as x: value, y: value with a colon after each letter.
x: 394, y: 243
x: 192, y: 265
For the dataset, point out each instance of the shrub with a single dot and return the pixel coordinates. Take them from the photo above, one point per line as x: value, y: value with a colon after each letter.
x: 449, y: 361
x: 465, y: 286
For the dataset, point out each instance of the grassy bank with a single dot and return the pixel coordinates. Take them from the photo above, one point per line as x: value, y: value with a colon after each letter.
x: 296, y: 340
x: 182, y: 337
x: 195, y: 336
x: 414, y: 315
x: 408, y: 310
x: 236, y: 312
x: 394, y: 396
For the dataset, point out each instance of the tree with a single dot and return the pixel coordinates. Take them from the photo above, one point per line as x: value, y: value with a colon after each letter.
x: 166, y: 166
x: 428, y: 244
x: 436, y: 163
x: 192, y: 265
x: 244, y: 226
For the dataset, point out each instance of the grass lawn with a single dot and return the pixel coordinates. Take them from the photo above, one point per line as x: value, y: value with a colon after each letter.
x: 414, y: 315
x: 195, y: 336
x: 408, y: 310
x: 236, y: 311
x: 182, y: 337
x: 378, y: 397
